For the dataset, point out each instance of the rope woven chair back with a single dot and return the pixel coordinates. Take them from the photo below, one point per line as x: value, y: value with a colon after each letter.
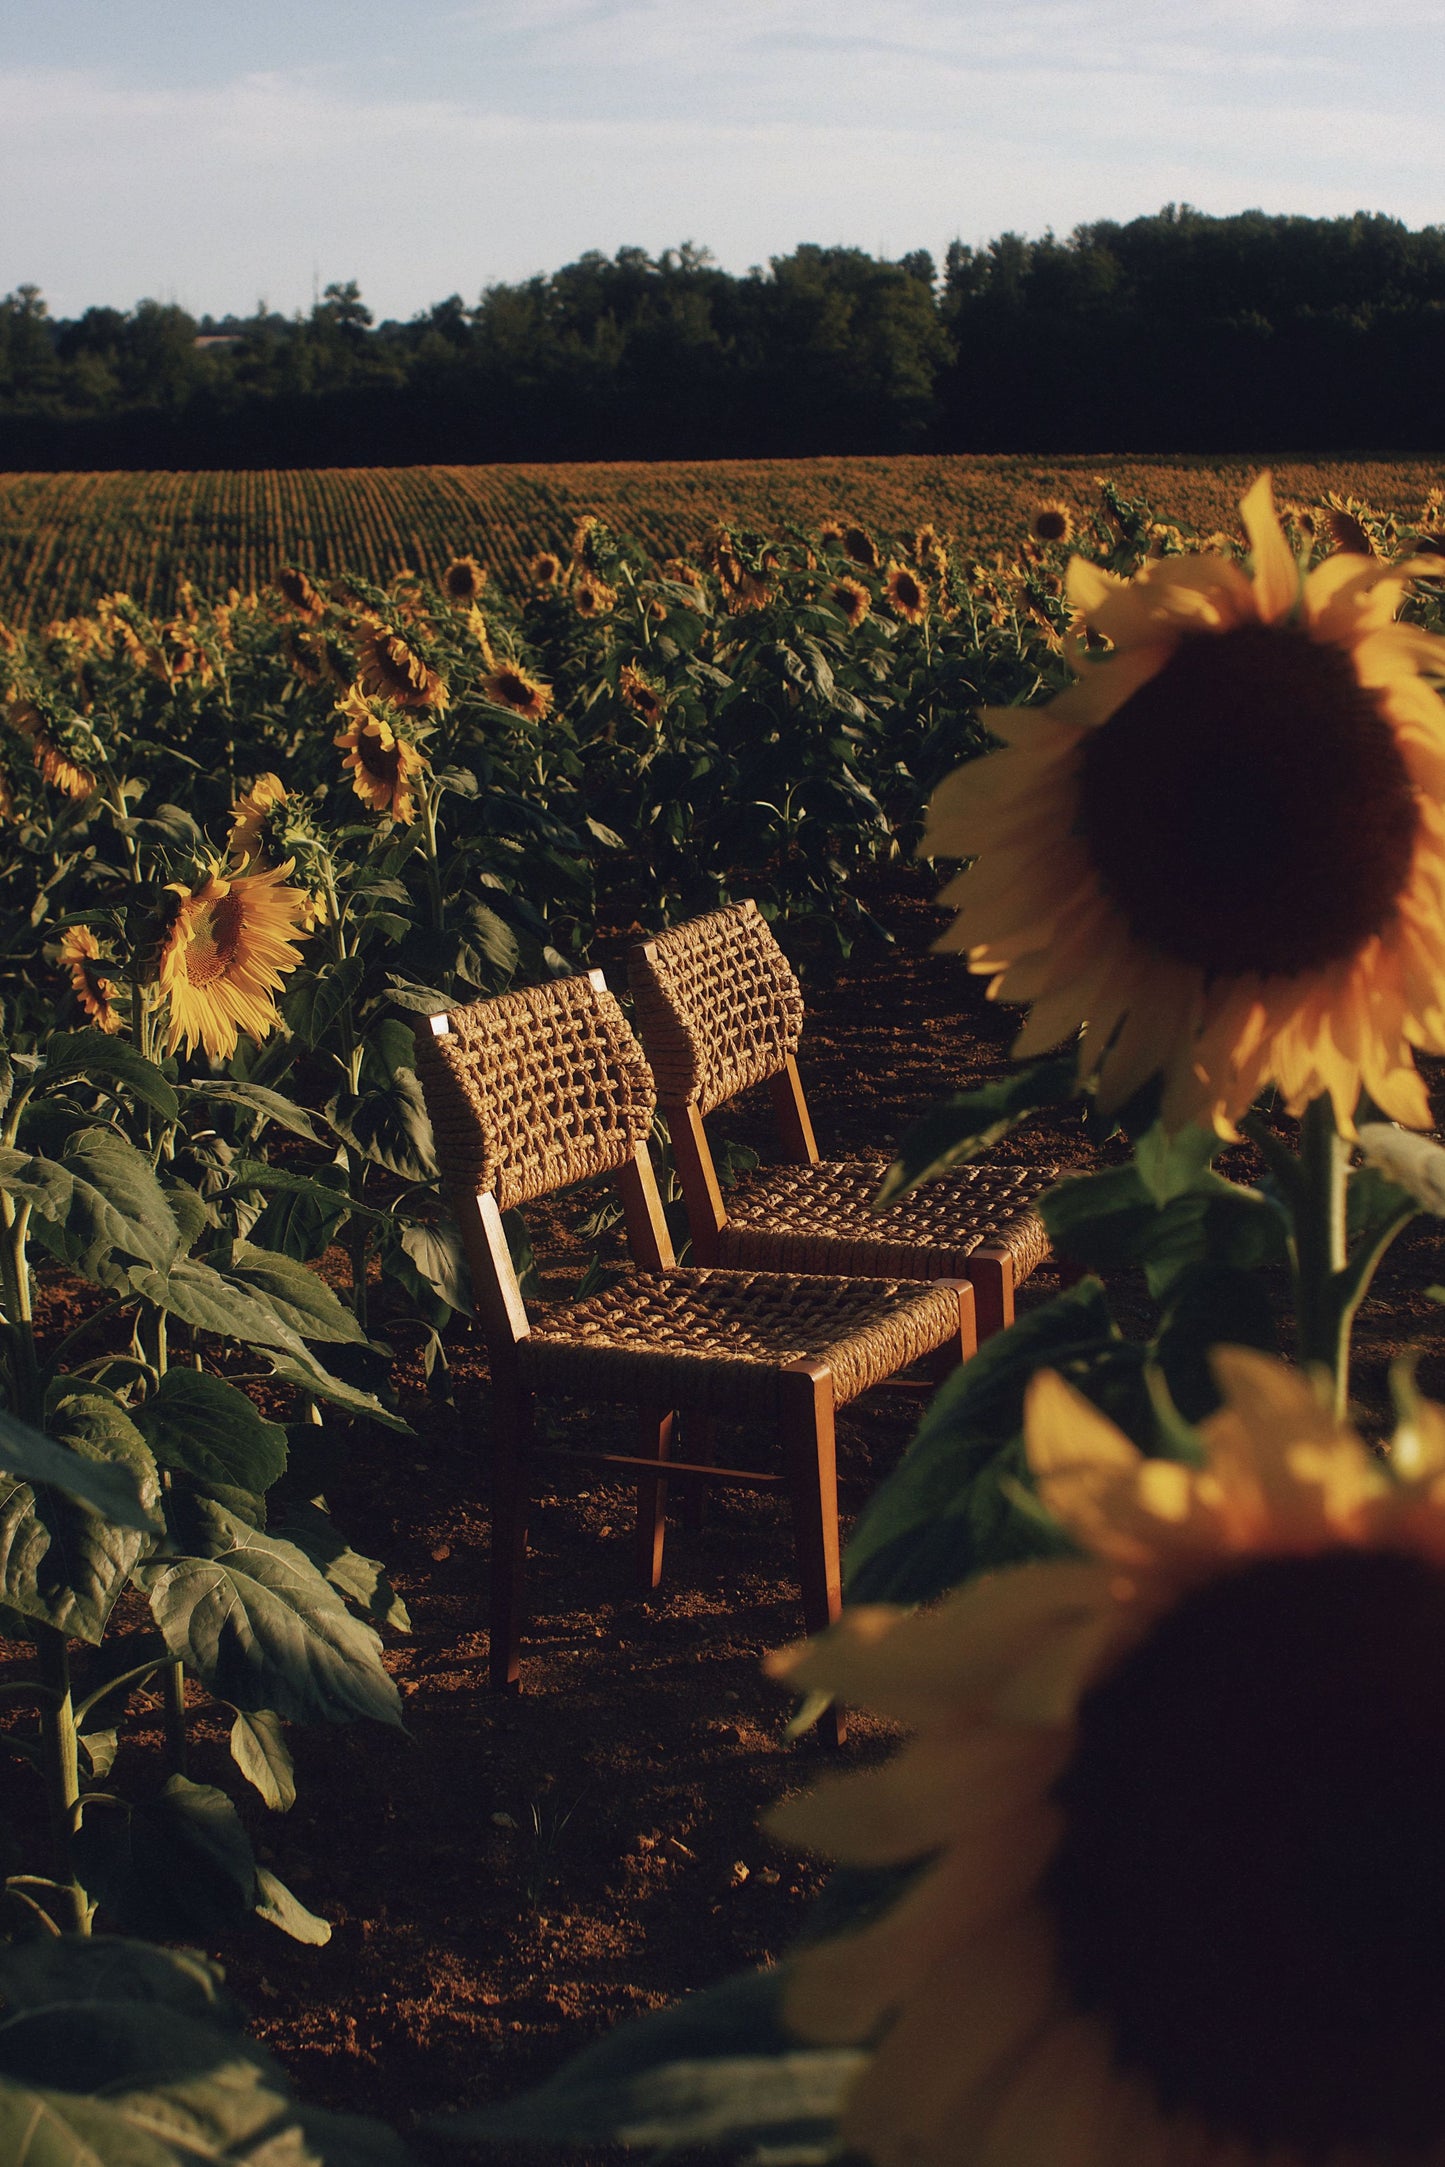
x: 534, y: 1090
x: 717, y: 1005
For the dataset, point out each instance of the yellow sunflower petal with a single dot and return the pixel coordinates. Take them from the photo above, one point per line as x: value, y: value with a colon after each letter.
x: 1276, y: 572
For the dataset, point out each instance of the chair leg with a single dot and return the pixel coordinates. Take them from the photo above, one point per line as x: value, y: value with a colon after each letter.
x: 810, y: 1454
x: 511, y: 1428
x: 655, y: 1442
x: 991, y: 1269
x: 946, y: 1359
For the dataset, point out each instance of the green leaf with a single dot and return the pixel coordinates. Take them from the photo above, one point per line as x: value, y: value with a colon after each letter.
x: 276, y: 1904
x: 103, y: 1197
x: 1211, y: 1305
x: 301, y: 1298
x: 113, y: 1489
x: 60, y: 1561
x: 188, y: 1208
x: 490, y: 939
x: 91, y: 1053
x: 102, y: 1968
x: 200, y: 1426
x: 1405, y: 1162
x: 390, y: 1127
x: 972, y: 1122
x: 361, y: 1580
x: 260, y: 1751
x: 199, y: 1295
x: 434, y: 1247
x: 1169, y: 1166
x: 261, y: 1628
x: 314, y: 999
x: 306, y: 1373
x: 274, y: 1104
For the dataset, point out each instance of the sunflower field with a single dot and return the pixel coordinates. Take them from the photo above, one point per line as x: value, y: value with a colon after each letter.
x: 250, y: 842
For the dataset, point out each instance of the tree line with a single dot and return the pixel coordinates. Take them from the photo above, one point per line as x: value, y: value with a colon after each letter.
x: 1173, y: 332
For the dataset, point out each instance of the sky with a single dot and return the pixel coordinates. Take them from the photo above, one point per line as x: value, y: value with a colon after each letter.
x: 221, y: 153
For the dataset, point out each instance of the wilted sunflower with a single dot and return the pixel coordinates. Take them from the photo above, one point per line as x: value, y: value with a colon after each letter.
x: 79, y: 951
x: 1221, y: 854
x: 545, y: 569
x: 511, y: 687
x: 229, y: 943
x: 907, y: 595
x: 464, y: 579
x: 389, y: 667
x: 306, y: 599
x: 1176, y: 1807
x: 639, y: 692
x: 681, y: 572
x: 859, y: 544
x: 1051, y: 520
x: 592, y: 597
x: 382, y: 763
x: 852, y: 598
x: 58, y: 764
x: 248, y: 817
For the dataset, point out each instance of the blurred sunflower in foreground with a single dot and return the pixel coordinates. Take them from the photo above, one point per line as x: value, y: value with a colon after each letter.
x: 1182, y: 1899
x: 229, y: 943
x: 1222, y: 853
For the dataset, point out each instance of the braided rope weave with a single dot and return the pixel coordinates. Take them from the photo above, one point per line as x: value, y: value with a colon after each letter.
x: 817, y: 1219
x: 718, y: 1341
x: 717, y: 1006
x: 535, y: 1090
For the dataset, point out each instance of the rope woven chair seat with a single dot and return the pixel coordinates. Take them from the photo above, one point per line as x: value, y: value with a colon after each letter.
x: 817, y: 1219
x: 717, y: 1006
x: 717, y: 1341
x: 535, y: 1090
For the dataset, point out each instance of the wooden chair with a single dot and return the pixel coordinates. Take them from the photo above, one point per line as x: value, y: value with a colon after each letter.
x: 719, y: 1009
x: 545, y: 1087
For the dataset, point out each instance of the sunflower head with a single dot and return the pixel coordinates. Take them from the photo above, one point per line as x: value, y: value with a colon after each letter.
x: 907, y: 595
x: 930, y: 552
x: 226, y: 949
x: 511, y: 687
x: 851, y: 598
x: 382, y: 760
x: 1346, y: 531
x: 80, y: 952
x: 248, y: 820
x: 592, y: 597
x: 859, y: 544
x: 61, y: 750
x: 831, y: 533
x: 390, y: 666
x: 1175, y: 1804
x: 545, y: 569
x: 681, y: 572
x: 1154, y: 871
x: 1051, y: 522
x: 640, y: 693
x: 463, y: 580
x: 303, y: 596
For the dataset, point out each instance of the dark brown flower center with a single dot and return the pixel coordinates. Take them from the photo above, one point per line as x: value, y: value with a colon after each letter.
x: 1248, y: 808
x: 1251, y: 1886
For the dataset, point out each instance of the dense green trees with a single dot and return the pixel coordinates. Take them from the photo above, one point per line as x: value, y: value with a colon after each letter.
x: 1173, y: 332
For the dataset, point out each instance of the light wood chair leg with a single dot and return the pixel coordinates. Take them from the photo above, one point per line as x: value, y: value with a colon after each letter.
x: 510, y: 1435
x: 654, y: 1442
x: 991, y: 1270
x: 810, y: 1455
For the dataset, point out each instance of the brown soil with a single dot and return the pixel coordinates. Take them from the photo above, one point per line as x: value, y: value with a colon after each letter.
x: 515, y: 1876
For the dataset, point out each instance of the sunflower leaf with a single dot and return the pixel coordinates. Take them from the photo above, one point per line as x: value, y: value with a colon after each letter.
x: 91, y: 1053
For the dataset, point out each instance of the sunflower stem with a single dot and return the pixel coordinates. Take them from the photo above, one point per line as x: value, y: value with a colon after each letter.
x: 62, y: 1767
x: 1322, y: 1316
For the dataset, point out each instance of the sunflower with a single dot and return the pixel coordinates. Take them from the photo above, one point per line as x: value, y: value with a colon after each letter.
x: 382, y: 763
x: 907, y: 594
x: 831, y: 533
x: 248, y: 817
x: 859, y: 544
x: 307, y: 601
x: 513, y: 688
x: 592, y: 597
x: 56, y: 764
x: 851, y: 598
x: 930, y: 552
x: 545, y: 569
x: 1176, y: 1808
x: 390, y: 668
x: 1346, y: 532
x: 639, y: 692
x: 681, y: 572
x: 79, y: 951
x: 230, y: 941
x: 464, y: 579
x: 1051, y: 520
x: 477, y: 626
x: 1222, y: 853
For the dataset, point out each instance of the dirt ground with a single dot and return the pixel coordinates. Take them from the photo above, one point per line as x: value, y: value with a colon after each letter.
x: 515, y: 1876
